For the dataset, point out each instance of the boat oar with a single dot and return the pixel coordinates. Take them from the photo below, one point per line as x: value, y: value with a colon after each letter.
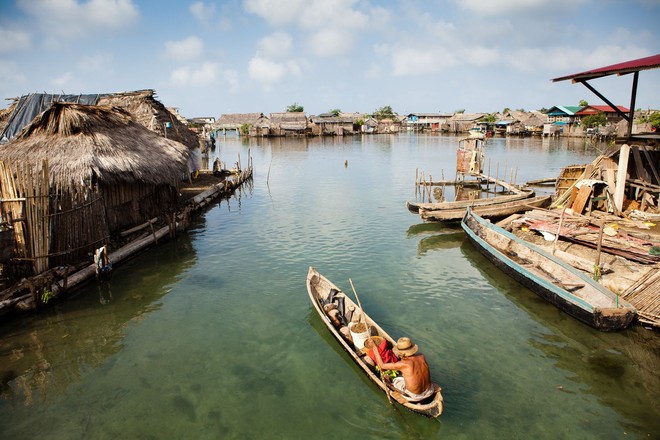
x: 359, y: 303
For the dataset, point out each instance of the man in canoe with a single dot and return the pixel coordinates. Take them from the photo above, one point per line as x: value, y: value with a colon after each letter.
x: 415, y: 380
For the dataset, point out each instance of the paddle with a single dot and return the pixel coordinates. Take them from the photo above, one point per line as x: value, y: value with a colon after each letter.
x: 359, y: 303
x: 375, y: 349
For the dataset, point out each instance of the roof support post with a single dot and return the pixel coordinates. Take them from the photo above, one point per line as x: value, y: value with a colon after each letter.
x: 633, y: 96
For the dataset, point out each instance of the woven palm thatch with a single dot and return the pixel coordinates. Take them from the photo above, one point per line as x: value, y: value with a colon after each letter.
x: 152, y: 114
x: 78, y: 173
x: 85, y: 144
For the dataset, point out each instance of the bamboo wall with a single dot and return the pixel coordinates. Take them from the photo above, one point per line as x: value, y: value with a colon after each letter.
x: 58, y: 226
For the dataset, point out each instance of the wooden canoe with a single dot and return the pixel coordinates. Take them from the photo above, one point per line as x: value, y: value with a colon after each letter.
x: 416, y: 207
x: 502, y: 209
x: 571, y: 290
x: 319, y: 289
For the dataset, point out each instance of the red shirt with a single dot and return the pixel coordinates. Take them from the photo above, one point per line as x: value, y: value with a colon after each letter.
x: 386, y: 354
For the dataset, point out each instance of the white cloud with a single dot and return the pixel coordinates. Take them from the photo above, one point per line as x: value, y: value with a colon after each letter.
x: 63, y: 80
x: 331, y: 42
x: 186, y: 76
x: 187, y: 49
x: 231, y: 77
x: 10, y: 73
x: 265, y: 71
x: 415, y: 62
x: 567, y: 60
x: 333, y: 24
x: 95, y: 63
x: 481, y: 56
x: 70, y: 18
x: 277, y: 12
x: 202, y: 12
x: 13, y: 40
x: 277, y: 45
x: 507, y: 7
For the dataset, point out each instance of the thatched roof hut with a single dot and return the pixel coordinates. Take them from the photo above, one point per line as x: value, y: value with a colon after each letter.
x: 141, y: 104
x: 87, y: 171
x: 85, y: 143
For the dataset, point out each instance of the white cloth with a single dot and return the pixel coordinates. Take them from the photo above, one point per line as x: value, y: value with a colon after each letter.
x: 400, y: 384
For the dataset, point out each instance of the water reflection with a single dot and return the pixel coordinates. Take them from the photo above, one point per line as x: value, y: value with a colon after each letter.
x: 41, y: 355
x: 612, y: 366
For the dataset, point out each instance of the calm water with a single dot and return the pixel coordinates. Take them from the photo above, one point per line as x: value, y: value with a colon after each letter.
x: 212, y: 335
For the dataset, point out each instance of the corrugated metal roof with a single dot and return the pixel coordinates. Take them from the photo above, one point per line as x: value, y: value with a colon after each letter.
x: 652, y: 62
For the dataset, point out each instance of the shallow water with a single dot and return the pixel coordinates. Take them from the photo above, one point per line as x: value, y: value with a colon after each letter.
x: 212, y: 335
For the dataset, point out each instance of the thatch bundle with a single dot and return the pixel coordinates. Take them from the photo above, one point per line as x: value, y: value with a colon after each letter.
x: 87, y: 144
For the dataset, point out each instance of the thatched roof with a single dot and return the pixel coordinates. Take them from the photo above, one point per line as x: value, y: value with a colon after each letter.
x: 235, y: 120
x: 142, y: 104
x: 83, y: 143
x: 153, y: 114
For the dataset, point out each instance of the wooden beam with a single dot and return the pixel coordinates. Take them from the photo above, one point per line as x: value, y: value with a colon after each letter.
x: 621, y: 175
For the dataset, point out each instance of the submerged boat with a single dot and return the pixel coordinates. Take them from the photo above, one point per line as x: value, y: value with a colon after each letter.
x: 493, y: 210
x: 571, y: 290
x: 325, y: 295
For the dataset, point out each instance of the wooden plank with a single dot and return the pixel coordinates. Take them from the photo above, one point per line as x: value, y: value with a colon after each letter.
x: 621, y: 175
x: 639, y: 165
x: 582, y: 198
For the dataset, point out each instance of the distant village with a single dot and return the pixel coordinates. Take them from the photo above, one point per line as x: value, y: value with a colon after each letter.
x: 574, y: 121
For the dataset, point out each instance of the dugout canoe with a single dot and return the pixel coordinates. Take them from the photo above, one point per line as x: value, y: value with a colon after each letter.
x: 319, y: 289
x: 494, y: 210
x: 569, y: 289
x: 417, y: 207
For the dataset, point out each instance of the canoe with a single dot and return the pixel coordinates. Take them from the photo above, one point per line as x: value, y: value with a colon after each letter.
x: 502, y: 209
x: 319, y: 289
x: 571, y: 290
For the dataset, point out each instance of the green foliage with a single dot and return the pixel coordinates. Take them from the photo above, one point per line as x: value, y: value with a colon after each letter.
x: 245, y: 129
x: 489, y: 118
x: 460, y: 111
x: 594, y: 120
x: 335, y: 112
x: 359, y: 122
x: 295, y: 108
x: 506, y: 110
x: 653, y: 119
x: 583, y: 103
x: 521, y: 110
x: 46, y: 296
x: 384, y: 113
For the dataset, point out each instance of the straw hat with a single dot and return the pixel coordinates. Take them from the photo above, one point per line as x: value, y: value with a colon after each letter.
x: 405, y: 347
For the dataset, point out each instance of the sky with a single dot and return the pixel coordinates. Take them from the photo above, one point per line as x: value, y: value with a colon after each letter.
x: 209, y: 58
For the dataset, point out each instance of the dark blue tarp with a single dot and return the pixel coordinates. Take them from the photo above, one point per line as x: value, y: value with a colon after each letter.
x: 29, y: 106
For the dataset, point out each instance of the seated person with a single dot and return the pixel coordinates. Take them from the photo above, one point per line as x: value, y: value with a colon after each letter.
x: 415, y: 381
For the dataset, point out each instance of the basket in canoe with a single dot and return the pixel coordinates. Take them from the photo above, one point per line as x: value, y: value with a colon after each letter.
x: 337, y: 310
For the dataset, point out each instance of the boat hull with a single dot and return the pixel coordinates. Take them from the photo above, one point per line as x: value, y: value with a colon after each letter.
x: 318, y: 288
x: 605, y: 318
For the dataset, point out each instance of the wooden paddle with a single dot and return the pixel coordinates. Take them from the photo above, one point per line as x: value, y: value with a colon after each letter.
x: 359, y: 303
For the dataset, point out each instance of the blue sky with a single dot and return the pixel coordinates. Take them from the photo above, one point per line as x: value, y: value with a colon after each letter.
x: 213, y: 57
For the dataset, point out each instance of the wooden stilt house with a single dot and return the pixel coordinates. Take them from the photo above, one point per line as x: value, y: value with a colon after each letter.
x: 79, y: 173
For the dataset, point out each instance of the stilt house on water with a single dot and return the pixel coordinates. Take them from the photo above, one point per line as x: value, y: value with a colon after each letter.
x: 76, y: 175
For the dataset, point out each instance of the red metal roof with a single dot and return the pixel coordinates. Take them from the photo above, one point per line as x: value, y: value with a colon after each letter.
x: 593, y: 109
x: 651, y: 62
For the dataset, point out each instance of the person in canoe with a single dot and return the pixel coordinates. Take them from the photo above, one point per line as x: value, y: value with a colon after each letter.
x: 414, y: 384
